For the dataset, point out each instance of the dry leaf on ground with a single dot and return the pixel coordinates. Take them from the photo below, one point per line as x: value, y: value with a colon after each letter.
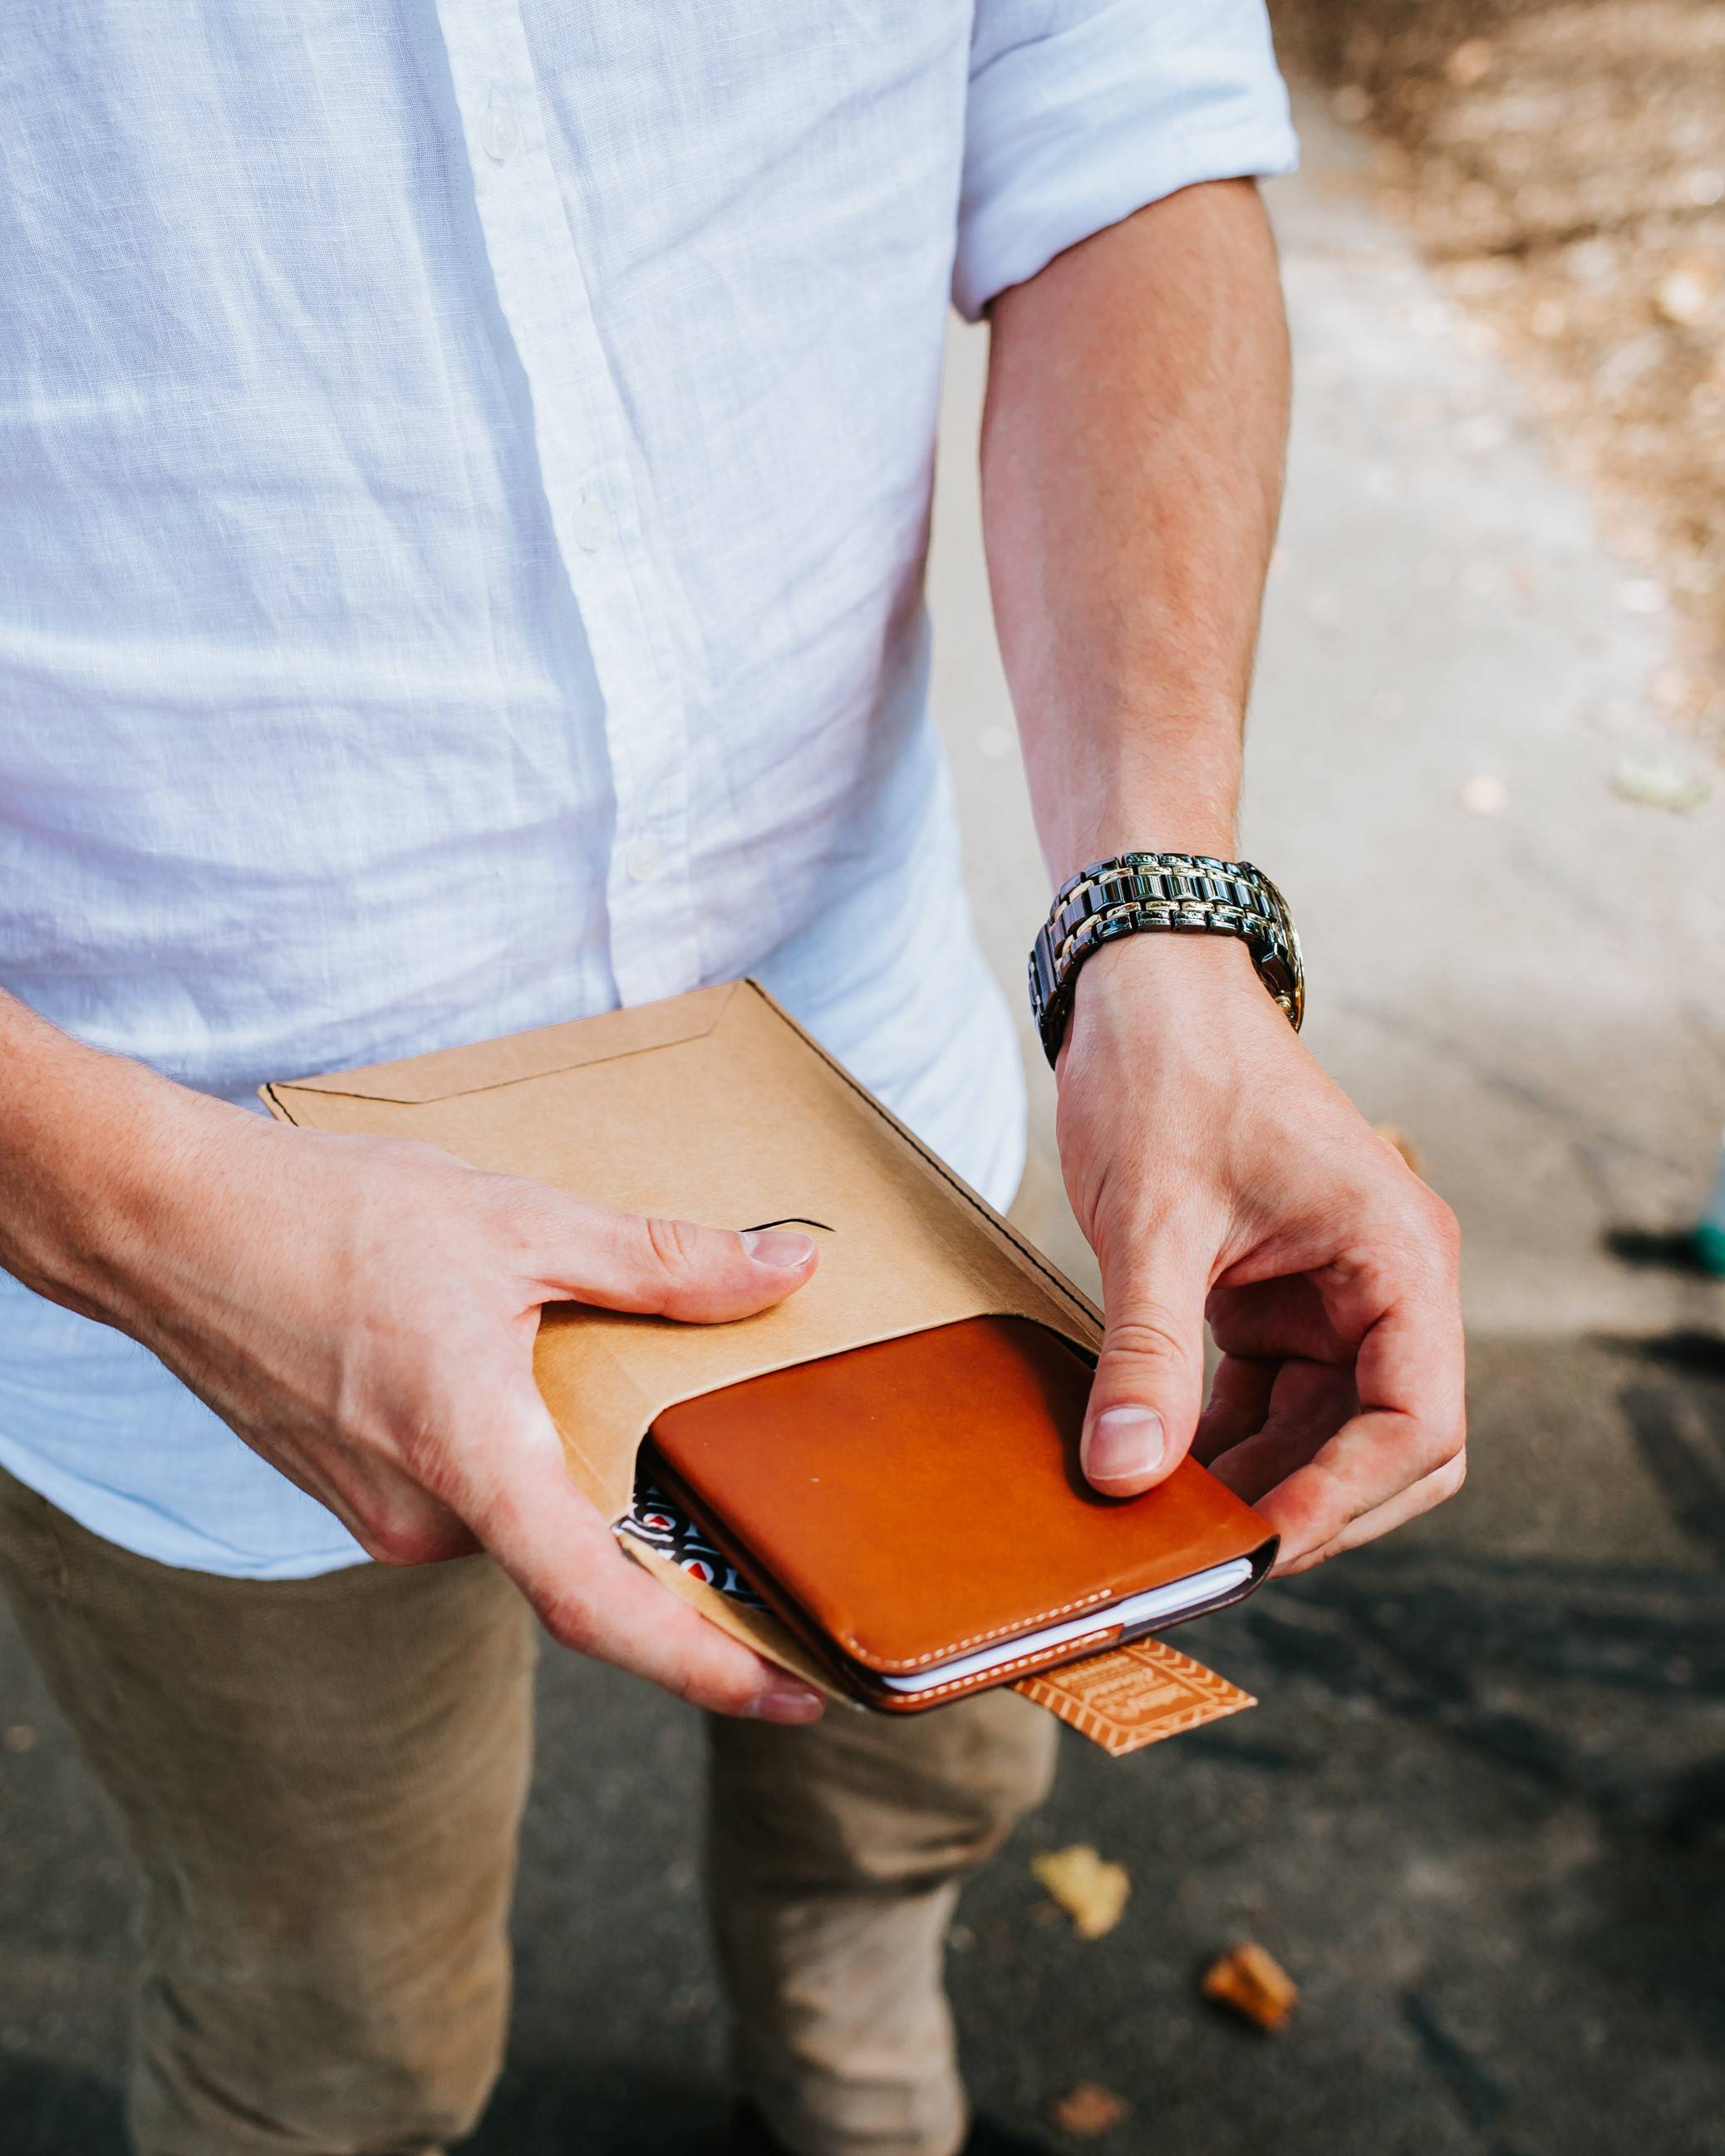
x: 1087, y: 2108
x: 1092, y: 1892
x: 1253, y: 1983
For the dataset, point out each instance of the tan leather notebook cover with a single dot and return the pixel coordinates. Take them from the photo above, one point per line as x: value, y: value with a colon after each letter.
x: 905, y: 1506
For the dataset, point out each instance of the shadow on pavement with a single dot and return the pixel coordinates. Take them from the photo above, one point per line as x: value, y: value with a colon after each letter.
x: 633, y: 2111
x: 49, y: 2109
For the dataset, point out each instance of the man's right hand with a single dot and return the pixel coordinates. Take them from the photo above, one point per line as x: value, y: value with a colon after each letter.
x: 362, y: 1312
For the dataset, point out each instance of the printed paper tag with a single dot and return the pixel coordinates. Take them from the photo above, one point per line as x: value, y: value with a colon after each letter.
x: 1135, y: 1696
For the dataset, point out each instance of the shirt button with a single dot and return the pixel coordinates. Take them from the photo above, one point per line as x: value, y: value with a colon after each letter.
x: 498, y: 132
x: 642, y: 860
x: 592, y: 523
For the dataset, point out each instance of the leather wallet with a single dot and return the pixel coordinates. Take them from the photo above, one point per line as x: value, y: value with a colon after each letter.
x: 915, y: 1511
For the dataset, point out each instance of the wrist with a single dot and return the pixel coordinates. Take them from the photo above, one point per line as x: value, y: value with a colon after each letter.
x: 1159, y: 967
x: 1109, y: 834
x: 1170, y: 985
x: 1149, y: 795
x: 1170, y: 895
x: 94, y: 1148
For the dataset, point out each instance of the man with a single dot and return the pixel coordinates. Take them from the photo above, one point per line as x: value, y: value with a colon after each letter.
x: 469, y: 477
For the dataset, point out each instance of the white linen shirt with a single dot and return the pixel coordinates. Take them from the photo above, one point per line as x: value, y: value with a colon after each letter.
x: 466, y: 471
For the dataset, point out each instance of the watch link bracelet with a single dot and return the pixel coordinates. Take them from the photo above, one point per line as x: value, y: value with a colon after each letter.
x: 1137, y: 892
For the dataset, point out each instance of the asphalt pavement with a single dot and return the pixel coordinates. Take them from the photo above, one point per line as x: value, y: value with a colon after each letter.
x: 1478, y: 1814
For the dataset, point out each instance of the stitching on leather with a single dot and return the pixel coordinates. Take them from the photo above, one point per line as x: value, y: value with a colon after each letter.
x: 980, y: 1638
x: 1070, y: 1652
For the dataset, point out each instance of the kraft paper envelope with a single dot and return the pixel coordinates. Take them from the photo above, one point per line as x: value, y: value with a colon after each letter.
x: 713, y: 1106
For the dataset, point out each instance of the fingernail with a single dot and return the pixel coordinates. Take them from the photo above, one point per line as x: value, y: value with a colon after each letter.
x: 773, y: 1246
x: 1123, y: 1443
x: 786, y: 1703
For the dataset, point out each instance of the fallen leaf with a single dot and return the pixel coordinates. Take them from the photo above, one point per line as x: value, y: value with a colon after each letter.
x: 1657, y: 782
x: 1087, y: 2108
x: 1393, y: 1134
x: 1092, y: 1892
x: 1251, y: 1982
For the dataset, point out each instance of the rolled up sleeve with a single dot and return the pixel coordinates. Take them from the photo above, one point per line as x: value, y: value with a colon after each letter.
x: 1081, y: 111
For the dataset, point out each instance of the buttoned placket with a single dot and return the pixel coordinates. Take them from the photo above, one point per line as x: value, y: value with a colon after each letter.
x: 596, y: 516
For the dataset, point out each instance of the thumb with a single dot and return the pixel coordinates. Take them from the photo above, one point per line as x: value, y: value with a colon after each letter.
x: 1149, y: 1383
x: 667, y: 1268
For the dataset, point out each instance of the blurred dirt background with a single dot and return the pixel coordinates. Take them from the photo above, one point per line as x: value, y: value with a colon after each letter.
x: 1563, y: 166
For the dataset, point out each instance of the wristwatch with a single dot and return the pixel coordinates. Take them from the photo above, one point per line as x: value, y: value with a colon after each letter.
x: 1134, y: 892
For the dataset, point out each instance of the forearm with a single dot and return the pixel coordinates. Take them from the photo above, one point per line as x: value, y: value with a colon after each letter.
x: 1132, y: 450
x: 86, y: 1142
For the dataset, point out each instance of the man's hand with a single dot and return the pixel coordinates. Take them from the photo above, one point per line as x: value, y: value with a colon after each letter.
x: 1216, y: 1170
x: 1132, y: 472
x: 362, y: 1312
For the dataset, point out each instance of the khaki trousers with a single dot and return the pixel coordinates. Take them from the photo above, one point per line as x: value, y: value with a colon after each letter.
x: 321, y: 1781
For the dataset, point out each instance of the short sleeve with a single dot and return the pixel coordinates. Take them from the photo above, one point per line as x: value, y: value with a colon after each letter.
x: 1081, y: 111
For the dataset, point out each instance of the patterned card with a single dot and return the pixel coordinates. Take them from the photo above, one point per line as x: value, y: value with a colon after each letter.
x: 1135, y: 1694
x: 663, y: 1527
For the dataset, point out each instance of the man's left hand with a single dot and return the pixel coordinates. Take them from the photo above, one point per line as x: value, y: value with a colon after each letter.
x: 1218, y: 1173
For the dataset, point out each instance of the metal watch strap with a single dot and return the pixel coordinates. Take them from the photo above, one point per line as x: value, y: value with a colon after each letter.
x: 1137, y: 892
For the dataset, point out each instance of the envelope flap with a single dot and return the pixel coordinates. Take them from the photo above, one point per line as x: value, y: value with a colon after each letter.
x: 447, y: 1074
